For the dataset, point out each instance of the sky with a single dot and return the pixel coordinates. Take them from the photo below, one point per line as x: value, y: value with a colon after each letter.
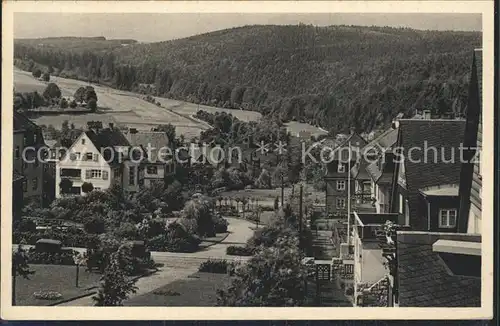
x: 164, y: 26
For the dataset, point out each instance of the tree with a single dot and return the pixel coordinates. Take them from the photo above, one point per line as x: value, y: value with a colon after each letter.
x: 73, y: 104
x: 272, y: 277
x: 65, y: 185
x: 87, y: 187
x: 36, y: 73
x: 20, y: 267
x: 95, y: 225
x: 168, y: 129
x: 92, y: 105
x: 90, y: 94
x: 46, y: 76
x: 79, y: 94
x: 52, y: 91
x: 63, y: 103
x: 115, y: 286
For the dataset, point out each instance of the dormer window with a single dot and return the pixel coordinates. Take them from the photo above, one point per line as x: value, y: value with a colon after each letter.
x: 447, y: 218
x: 341, y: 168
x: 83, y: 141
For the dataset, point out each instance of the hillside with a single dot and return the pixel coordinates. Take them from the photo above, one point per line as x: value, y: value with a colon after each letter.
x: 335, y: 77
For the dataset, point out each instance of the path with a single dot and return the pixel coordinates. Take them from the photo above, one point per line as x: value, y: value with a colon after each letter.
x: 180, y: 265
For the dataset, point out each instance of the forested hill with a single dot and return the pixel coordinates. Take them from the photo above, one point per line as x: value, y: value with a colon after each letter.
x: 335, y: 77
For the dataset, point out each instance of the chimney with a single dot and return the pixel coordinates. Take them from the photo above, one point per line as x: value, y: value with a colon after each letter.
x: 427, y: 114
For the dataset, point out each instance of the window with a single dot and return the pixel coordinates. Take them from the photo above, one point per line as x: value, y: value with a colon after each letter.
x: 83, y: 141
x: 25, y: 140
x: 35, y: 183
x: 93, y: 174
x: 341, y: 185
x: 116, y: 173
x: 71, y: 173
x: 341, y: 168
x: 77, y: 155
x: 18, y: 154
x: 340, y: 203
x: 447, y: 218
x: 95, y: 157
x: 105, y: 175
x: 89, y: 156
x: 131, y: 176
x: 401, y: 202
x: 25, y: 185
x: 152, y: 169
x: 407, y: 213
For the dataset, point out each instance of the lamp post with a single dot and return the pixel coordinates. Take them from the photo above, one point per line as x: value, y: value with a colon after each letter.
x: 78, y: 259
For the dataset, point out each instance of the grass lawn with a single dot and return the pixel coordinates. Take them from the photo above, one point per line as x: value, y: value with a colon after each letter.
x: 200, y: 289
x: 57, y: 278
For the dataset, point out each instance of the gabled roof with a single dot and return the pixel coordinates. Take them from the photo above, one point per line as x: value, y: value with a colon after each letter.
x: 426, y: 279
x: 107, y: 138
x: 150, y: 141
x: 423, y: 170
x: 383, y: 143
x: 22, y: 122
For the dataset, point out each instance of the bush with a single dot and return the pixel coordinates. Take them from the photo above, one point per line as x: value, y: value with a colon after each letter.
x: 215, y: 266
x: 221, y: 224
x: 70, y: 237
x: 264, y: 237
x: 25, y: 225
x: 176, y: 239
x: 95, y: 226
x: 49, y: 258
x: 239, y: 251
x: 37, y: 73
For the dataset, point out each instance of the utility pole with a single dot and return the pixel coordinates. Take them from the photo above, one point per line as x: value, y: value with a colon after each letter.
x: 300, y: 215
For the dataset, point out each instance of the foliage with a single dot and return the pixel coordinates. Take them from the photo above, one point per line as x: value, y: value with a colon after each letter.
x: 264, y: 180
x: 274, y: 277
x: 63, y: 103
x: 92, y: 105
x: 87, y: 187
x: 239, y: 251
x: 301, y: 72
x: 221, y: 224
x: 20, y: 262
x: 200, y: 210
x: 95, y: 225
x: 52, y: 91
x: 115, y: 286
x: 65, y: 184
x: 176, y: 239
x: 37, y: 73
x: 51, y: 258
x: 24, y: 225
x: 46, y: 76
x: 216, y: 266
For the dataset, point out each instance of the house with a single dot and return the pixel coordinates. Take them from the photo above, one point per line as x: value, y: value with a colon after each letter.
x: 369, y: 262
x: 427, y: 173
x: 381, y: 168
x: 100, y: 157
x: 158, y: 161
x: 342, y: 157
x: 27, y: 143
x: 469, y: 214
x: 438, y: 269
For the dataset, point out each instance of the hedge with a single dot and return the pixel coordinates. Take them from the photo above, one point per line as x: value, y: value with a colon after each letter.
x: 215, y: 266
x: 49, y: 258
x: 68, y: 239
x: 239, y: 251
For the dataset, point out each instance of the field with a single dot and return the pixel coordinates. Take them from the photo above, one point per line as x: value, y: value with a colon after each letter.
x: 127, y: 109
x: 57, y: 278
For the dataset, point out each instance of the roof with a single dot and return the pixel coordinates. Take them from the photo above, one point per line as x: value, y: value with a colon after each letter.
x: 356, y: 142
x: 426, y: 167
x: 478, y: 66
x: 150, y: 141
x: 383, y: 143
x: 444, y: 190
x: 22, y: 122
x: 107, y: 138
x: 425, y: 279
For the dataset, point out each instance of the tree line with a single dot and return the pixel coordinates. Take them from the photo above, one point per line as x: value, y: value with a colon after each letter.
x: 336, y: 77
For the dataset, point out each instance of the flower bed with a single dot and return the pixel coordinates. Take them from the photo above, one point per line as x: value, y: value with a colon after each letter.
x: 47, y: 295
x: 215, y: 266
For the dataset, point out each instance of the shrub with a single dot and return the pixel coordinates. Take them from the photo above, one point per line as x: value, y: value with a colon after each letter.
x: 239, y: 251
x: 176, y: 239
x: 37, y: 73
x: 266, y: 237
x: 49, y: 258
x: 95, y: 225
x: 127, y: 230
x: 215, y: 266
x: 221, y: 224
x: 25, y: 225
